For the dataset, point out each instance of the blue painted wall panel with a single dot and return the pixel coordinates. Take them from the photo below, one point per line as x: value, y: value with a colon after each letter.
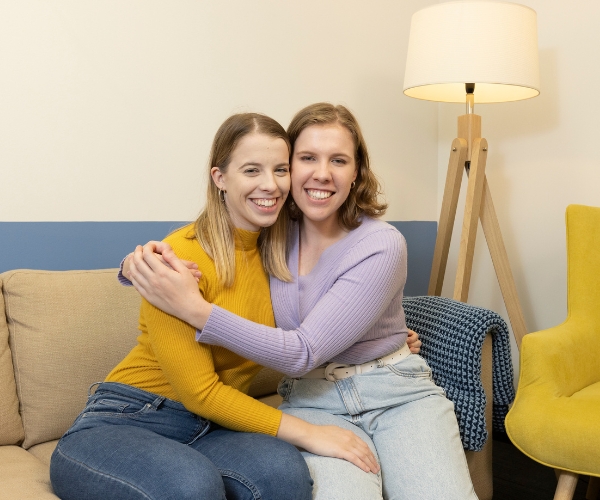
x: 59, y: 246
x: 420, y: 240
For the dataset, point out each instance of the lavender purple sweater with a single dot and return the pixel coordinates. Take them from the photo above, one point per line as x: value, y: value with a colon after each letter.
x: 347, y: 310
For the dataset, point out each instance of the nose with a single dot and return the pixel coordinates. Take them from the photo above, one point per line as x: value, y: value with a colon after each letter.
x: 268, y: 183
x: 322, y: 172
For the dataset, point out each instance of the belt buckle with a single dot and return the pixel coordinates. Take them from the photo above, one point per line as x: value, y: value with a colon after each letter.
x: 330, y: 368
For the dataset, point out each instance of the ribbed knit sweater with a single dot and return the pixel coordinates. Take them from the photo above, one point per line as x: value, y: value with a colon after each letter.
x: 210, y: 381
x: 348, y: 309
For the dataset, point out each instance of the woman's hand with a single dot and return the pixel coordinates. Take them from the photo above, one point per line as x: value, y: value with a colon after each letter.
x: 192, y: 266
x: 328, y: 441
x: 166, y: 282
x: 413, y: 342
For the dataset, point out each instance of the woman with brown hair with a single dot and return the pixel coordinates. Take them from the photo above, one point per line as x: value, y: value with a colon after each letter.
x: 341, y: 332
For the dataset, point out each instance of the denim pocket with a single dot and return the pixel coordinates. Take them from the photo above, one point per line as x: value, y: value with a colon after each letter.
x: 284, y: 388
x: 108, y: 408
x: 413, y: 367
x: 114, y: 406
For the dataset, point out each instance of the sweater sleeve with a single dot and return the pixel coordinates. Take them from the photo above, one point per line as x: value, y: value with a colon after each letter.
x: 121, y: 277
x: 189, y: 369
x: 343, y: 315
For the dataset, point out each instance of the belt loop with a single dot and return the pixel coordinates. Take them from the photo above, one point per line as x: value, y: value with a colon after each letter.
x: 157, y: 402
x: 90, y: 388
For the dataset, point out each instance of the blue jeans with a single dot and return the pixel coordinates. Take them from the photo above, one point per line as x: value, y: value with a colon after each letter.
x: 406, y: 420
x: 132, y: 444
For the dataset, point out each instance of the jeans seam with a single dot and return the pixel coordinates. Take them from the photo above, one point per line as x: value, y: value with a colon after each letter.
x: 201, y: 429
x: 406, y: 374
x: 91, y: 469
x: 238, y: 477
x: 353, y: 390
x: 356, y: 395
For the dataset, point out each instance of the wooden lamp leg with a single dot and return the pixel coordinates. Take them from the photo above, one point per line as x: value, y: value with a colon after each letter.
x: 493, y: 237
x: 470, y: 219
x: 458, y: 153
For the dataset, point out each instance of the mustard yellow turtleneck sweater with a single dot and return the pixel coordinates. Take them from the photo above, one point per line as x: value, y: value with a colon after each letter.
x: 210, y: 381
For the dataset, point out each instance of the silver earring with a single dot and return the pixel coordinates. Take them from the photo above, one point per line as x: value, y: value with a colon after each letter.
x: 222, y: 195
x: 353, y: 184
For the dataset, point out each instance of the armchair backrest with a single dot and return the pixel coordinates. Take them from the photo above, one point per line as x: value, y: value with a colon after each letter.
x: 583, y: 263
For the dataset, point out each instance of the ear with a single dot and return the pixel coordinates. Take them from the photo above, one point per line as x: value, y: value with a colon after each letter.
x: 355, y: 174
x: 218, y: 178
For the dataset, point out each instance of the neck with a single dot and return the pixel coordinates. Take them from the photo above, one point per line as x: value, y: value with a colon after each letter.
x: 321, y: 232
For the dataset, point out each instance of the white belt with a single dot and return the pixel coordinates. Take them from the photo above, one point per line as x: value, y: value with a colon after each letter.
x: 338, y: 371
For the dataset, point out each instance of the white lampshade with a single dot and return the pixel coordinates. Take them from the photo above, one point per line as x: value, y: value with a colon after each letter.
x: 491, y: 44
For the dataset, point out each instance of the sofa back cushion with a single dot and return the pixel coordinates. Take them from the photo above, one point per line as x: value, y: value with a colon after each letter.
x: 67, y: 330
x: 11, y: 427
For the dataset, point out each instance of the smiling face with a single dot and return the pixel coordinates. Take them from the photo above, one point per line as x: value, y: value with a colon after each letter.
x: 323, y: 169
x: 256, y: 182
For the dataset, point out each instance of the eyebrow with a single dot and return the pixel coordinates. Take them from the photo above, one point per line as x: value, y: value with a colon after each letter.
x: 250, y: 164
x: 257, y: 164
x: 308, y: 152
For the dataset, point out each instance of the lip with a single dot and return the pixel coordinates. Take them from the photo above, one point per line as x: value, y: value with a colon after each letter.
x: 319, y: 201
x: 263, y: 209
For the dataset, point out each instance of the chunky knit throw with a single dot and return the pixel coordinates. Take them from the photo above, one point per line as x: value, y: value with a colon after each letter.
x: 452, y: 334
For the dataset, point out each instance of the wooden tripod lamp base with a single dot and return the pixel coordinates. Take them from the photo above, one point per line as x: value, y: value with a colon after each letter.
x: 469, y: 151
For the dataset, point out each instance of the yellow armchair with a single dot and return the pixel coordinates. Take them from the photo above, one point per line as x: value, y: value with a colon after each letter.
x: 555, y: 418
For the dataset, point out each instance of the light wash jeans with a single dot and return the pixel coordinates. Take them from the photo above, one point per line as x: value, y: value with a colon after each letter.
x: 132, y: 444
x: 403, y: 416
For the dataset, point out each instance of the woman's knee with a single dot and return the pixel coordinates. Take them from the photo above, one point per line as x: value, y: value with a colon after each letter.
x: 281, y: 471
x: 85, y: 466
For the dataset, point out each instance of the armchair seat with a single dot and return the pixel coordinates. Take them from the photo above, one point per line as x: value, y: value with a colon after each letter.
x: 561, y: 430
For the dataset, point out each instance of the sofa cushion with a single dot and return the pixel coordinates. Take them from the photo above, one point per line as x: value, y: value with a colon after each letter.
x: 22, y: 476
x: 67, y: 330
x: 43, y: 451
x: 11, y: 427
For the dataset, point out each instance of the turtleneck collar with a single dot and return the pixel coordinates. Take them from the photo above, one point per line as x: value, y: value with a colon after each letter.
x: 245, y: 240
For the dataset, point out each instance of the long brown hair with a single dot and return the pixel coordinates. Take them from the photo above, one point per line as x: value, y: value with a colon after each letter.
x: 363, y: 197
x: 214, y: 228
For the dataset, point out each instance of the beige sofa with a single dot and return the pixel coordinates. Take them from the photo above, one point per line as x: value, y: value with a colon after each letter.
x: 59, y: 333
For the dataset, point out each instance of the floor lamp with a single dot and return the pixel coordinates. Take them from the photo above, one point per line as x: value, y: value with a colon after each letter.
x: 473, y: 52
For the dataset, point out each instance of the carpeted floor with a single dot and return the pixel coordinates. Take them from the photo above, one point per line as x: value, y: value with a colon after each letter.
x: 517, y: 477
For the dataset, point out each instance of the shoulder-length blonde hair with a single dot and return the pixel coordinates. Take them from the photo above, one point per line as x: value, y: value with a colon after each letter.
x: 363, y: 197
x: 214, y: 228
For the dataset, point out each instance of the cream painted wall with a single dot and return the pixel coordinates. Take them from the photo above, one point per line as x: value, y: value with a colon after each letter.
x: 107, y: 109
x: 543, y: 155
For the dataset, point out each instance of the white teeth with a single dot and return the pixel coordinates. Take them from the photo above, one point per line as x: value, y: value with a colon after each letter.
x: 319, y: 195
x: 265, y: 202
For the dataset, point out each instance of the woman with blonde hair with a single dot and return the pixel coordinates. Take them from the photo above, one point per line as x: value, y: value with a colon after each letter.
x: 341, y: 332
x: 173, y: 418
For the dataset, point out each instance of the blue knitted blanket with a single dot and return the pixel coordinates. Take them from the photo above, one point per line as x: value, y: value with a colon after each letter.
x: 452, y: 334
